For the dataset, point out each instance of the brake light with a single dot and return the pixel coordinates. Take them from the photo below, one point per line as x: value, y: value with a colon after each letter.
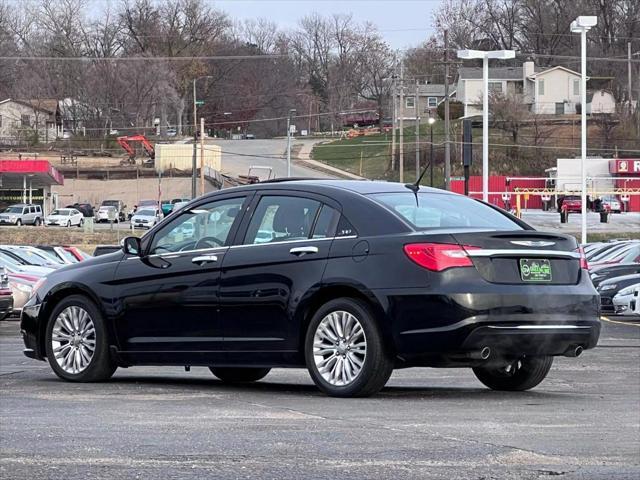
x: 438, y: 256
x: 583, y: 258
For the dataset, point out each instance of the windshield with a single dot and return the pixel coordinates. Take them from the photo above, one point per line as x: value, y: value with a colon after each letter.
x: 14, y: 210
x: 63, y: 212
x: 8, y: 260
x: 30, y: 258
x: 425, y: 211
x: 146, y: 213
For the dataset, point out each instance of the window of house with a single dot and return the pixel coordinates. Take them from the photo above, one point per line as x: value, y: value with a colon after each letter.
x: 540, y: 86
x: 25, y: 121
x: 410, y: 102
x: 495, y: 87
x: 576, y: 87
x: 432, y: 102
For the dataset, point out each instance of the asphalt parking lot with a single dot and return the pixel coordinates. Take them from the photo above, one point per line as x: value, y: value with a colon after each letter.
x: 582, y: 422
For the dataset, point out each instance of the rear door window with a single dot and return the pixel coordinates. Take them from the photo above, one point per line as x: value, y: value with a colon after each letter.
x: 425, y: 211
x: 280, y: 219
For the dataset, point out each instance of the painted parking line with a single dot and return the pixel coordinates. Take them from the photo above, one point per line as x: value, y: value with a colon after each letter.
x: 607, y: 319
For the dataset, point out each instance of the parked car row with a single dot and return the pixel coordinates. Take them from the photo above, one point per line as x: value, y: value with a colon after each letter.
x: 21, y: 267
x: 614, y: 268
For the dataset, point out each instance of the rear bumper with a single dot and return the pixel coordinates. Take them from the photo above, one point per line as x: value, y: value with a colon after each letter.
x: 30, y: 330
x: 546, y: 320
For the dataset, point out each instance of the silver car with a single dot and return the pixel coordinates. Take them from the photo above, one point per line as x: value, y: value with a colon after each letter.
x: 622, y: 300
x: 22, y: 214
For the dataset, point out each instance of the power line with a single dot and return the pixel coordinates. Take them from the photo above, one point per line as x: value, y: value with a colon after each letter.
x: 146, y: 59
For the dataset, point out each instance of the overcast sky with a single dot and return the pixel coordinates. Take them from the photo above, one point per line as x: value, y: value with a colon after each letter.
x: 403, y: 23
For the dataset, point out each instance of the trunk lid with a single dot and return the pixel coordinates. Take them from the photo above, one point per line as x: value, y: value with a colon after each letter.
x: 523, y: 257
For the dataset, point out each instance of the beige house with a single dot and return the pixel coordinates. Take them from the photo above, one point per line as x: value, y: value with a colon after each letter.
x: 21, y: 119
x: 422, y: 100
x: 553, y: 90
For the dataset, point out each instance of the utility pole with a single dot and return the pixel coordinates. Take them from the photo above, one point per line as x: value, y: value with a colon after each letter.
x: 195, y: 142
x: 291, y: 112
x: 447, y: 151
x: 401, y: 109
x: 201, y: 155
x: 417, y: 104
x: 629, y: 72
x: 393, y: 120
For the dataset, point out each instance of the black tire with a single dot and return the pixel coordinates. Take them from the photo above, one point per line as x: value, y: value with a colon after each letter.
x: 18, y: 223
x: 68, y: 223
x: 239, y: 374
x: 525, y: 374
x: 37, y: 222
x: 80, y: 223
x: 100, y: 367
x: 378, y: 362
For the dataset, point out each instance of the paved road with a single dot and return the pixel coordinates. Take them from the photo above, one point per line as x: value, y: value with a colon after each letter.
x: 150, y: 422
x: 550, y: 221
x: 239, y: 155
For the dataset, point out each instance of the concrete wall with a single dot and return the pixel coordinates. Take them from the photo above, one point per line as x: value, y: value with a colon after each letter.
x: 131, y: 191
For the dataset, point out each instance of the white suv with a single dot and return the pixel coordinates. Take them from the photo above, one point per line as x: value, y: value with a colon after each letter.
x: 22, y: 214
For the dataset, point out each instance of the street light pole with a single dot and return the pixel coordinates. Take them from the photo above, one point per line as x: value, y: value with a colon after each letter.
x: 194, y: 166
x: 485, y: 56
x: 582, y: 25
x: 291, y: 112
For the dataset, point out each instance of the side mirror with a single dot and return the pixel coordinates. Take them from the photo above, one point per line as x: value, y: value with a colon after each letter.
x: 132, y: 246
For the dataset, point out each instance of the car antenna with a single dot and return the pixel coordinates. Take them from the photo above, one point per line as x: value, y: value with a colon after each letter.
x: 414, y: 187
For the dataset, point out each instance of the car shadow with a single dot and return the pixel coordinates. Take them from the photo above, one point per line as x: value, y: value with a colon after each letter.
x: 297, y: 389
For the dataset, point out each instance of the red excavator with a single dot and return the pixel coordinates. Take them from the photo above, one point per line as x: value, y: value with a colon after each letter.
x: 131, y: 152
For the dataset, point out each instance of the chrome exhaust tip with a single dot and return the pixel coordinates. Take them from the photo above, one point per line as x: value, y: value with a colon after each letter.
x: 485, y: 353
x: 574, y: 351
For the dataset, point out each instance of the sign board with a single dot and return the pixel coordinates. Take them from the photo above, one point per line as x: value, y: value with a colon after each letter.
x: 625, y: 166
x: 199, y: 103
x: 292, y: 129
x: 304, y: 133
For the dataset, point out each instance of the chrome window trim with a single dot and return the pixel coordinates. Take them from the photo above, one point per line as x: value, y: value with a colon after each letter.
x: 285, y: 242
x: 519, y: 252
x: 540, y: 327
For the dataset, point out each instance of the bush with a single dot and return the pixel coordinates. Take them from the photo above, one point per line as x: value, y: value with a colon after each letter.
x: 456, y: 110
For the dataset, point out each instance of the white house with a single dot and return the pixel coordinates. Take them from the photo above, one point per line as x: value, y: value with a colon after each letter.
x: 552, y: 90
x: 20, y: 119
x: 600, y: 101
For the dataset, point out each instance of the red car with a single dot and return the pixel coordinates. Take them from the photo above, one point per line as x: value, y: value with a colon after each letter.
x: 572, y: 203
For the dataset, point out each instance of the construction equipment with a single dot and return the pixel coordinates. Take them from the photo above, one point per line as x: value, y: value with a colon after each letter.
x: 125, y: 142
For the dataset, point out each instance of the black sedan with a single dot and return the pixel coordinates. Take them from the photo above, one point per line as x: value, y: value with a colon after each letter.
x: 348, y: 279
x: 600, y: 274
x: 610, y: 287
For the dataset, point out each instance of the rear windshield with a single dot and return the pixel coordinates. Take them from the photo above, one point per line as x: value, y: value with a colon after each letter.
x: 435, y: 210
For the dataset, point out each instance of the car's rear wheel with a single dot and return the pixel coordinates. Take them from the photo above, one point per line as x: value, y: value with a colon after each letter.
x: 77, y: 346
x: 37, y: 222
x: 239, y: 374
x: 344, y: 350
x: 18, y: 223
x: 522, y: 374
x: 80, y: 223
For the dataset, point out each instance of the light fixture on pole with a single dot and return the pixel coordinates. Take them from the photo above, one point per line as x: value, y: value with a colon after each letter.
x: 485, y: 56
x: 582, y: 25
x: 292, y: 112
x: 194, y: 166
x: 431, y: 121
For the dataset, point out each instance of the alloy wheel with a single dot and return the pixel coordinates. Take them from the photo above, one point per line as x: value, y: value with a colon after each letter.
x: 73, y: 339
x: 339, y: 348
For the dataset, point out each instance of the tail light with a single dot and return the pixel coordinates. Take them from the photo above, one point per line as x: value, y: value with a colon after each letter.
x: 438, y: 256
x: 583, y: 259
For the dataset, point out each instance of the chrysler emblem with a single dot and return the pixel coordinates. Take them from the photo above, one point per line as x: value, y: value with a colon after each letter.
x: 533, y: 243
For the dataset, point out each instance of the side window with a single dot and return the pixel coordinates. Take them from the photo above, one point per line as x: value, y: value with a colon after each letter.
x: 326, y: 223
x: 280, y: 218
x: 25, y: 210
x: 345, y: 229
x: 205, y: 226
x: 32, y: 209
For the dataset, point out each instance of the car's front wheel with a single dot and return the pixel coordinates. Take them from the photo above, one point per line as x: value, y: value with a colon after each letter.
x: 522, y: 374
x: 77, y: 346
x: 345, y: 351
x: 239, y: 374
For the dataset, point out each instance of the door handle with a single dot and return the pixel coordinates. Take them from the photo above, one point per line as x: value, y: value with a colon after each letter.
x: 202, y: 259
x: 299, y: 251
